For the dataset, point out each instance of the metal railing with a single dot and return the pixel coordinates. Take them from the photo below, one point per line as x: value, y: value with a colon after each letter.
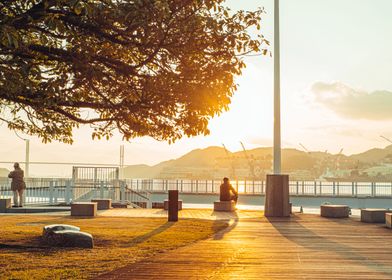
x: 297, y: 188
x: 137, y: 192
x: 50, y: 191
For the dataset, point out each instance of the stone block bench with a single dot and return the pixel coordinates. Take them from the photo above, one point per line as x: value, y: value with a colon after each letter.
x: 119, y: 205
x: 66, y: 236
x: 88, y: 209
x: 5, y: 203
x: 334, y: 211
x: 103, y: 204
x: 388, y: 220
x: 158, y: 205
x: 373, y: 215
x: 224, y: 206
x: 166, y: 204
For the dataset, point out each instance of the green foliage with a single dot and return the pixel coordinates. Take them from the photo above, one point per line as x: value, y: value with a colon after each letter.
x: 160, y: 68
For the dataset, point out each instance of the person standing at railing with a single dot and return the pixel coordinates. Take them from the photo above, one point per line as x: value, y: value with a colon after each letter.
x: 227, y: 192
x: 17, y: 185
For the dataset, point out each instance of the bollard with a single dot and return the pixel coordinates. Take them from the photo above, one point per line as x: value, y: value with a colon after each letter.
x: 173, y: 206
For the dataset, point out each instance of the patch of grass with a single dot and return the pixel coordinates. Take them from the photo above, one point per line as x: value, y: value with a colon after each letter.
x: 118, y: 242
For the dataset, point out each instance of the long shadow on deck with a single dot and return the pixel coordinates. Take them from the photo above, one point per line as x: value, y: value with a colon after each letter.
x: 219, y: 235
x: 293, y: 230
x: 144, y: 237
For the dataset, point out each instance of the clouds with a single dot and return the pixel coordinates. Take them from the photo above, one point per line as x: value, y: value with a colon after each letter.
x: 353, y: 104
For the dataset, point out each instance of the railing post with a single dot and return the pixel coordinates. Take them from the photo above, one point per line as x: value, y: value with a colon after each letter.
x: 245, y: 186
x: 68, y: 192
x: 51, y: 192
x: 182, y: 186
x: 101, y: 190
x: 122, y: 190
x: 338, y: 189
x: 197, y: 186
x: 149, y: 201
x: 206, y: 186
x: 373, y: 189
x: 297, y: 187
x: 262, y: 187
x: 315, y: 188
x: 253, y: 186
x: 321, y: 192
x: 333, y: 188
x: 56, y: 193
x: 352, y: 189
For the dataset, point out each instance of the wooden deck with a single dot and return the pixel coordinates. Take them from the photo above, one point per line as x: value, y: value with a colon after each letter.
x: 302, y: 247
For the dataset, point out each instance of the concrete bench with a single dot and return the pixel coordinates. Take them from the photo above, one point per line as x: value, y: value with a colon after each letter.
x: 5, y: 203
x: 388, y: 220
x: 166, y: 204
x: 373, y: 215
x: 334, y: 211
x: 224, y: 206
x: 103, y: 204
x: 158, y: 205
x: 141, y: 204
x: 119, y: 205
x: 84, y: 209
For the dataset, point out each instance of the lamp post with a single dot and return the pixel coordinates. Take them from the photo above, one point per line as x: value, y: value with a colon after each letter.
x: 277, y: 187
x: 277, y: 137
x: 27, y: 158
x: 27, y: 155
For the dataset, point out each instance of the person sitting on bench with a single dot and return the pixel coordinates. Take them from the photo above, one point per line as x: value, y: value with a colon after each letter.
x: 227, y: 192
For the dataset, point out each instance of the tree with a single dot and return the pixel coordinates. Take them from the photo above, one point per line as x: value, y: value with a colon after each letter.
x: 160, y: 68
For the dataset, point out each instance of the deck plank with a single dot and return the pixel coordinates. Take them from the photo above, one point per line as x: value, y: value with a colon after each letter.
x: 302, y: 247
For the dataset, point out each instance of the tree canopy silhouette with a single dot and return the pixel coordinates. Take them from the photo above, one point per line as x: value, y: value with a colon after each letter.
x: 160, y: 68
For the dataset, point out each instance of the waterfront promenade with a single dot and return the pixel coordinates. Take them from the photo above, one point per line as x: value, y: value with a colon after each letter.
x: 301, y: 247
x: 304, y: 246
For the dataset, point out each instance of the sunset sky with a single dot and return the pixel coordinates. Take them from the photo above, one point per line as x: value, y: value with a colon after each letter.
x: 336, y: 90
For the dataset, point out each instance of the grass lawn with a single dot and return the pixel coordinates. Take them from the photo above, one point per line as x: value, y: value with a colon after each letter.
x: 118, y: 242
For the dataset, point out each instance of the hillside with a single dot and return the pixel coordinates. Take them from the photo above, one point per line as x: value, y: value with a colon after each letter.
x: 374, y: 155
x: 214, y: 162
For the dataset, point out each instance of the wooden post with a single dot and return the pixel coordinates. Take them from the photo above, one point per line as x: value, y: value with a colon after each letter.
x: 277, y: 196
x: 173, y: 206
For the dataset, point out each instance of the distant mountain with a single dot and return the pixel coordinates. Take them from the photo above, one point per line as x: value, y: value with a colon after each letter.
x: 374, y: 155
x: 4, y: 172
x: 199, y: 158
x: 214, y: 162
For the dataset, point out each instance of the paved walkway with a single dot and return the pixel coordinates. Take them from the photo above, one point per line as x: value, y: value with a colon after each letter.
x: 302, y: 247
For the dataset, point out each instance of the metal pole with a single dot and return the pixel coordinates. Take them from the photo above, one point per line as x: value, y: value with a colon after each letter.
x: 121, y: 161
x: 27, y: 160
x: 277, y: 139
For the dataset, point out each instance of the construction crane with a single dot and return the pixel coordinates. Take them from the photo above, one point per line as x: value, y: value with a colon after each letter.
x: 338, y: 159
x: 232, y: 171
x: 251, y: 165
x: 385, y: 138
x: 306, y: 150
